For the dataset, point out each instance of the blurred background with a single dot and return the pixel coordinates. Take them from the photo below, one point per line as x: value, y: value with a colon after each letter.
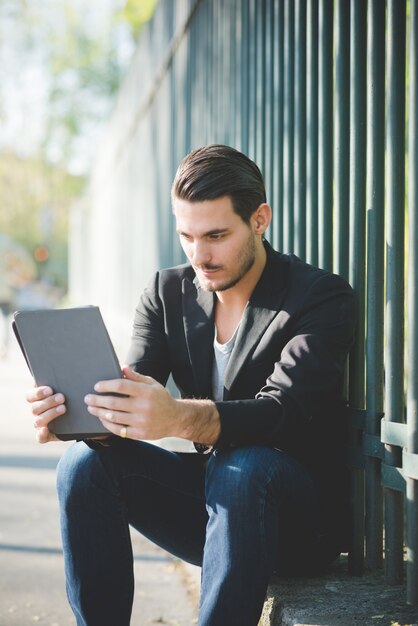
x: 61, y: 64
x: 99, y: 101
x: 63, y: 242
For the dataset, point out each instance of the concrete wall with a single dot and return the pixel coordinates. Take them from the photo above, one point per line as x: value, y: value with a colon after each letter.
x: 122, y: 230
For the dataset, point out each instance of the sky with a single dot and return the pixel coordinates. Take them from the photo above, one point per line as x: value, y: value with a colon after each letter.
x: 23, y: 87
x: 25, y: 81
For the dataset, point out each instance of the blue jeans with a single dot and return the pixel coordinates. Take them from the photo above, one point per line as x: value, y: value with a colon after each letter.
x: 241, y: 514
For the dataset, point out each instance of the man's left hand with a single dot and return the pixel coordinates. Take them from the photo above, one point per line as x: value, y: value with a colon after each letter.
x: 148, y: 411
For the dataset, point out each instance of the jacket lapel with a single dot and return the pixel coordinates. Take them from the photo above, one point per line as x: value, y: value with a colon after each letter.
x: 265, y: 303
x: 198, y: 320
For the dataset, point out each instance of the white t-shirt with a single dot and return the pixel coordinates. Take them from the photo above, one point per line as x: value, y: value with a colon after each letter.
x: 222, y: 352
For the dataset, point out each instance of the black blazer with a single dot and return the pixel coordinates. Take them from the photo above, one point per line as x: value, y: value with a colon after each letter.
x: 283, y: 384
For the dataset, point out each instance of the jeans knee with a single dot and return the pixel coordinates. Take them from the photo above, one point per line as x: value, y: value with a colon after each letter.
x: 77, y: 471
x: 235, y: 475
x: 254, y: 471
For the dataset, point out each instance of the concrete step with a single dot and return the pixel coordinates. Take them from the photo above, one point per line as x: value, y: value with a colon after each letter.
x: 337, y: 599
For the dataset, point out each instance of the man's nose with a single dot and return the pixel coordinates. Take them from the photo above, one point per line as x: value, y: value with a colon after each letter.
x: 201, y: 253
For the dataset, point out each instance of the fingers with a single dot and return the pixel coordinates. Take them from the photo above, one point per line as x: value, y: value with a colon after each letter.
x: 129, y: 385
x: 129, y: 407
x: 46, y: 416
x: 122, y: 386
x: 110, y: 418
x: 114, y: 421
x: 38, y: 393
x: 53, y: 405
x: 130, y: 374
x: 108, y: 408
x: 121, y: 430
x: 43, y: 435
x: 45, y: 406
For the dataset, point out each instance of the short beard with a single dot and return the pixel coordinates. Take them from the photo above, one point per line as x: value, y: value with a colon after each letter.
x: 246, y: 261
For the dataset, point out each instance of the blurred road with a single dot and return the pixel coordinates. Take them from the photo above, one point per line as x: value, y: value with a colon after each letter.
x: 32, y: 588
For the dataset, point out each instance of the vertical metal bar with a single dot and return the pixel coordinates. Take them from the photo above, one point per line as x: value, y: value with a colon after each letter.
x: 174, y: 100
x: 187, y: 96
x: 279, y: 126
x: 225, y: 82
x: 216, y: 62
x: 192, y: 63
x: 261, y: 90
x: 218, y: 67
x: 375, y: 265
x: 342, y: 136
x: 395, y: 227
x: 229, y: 90
x: 342, y: 148
x: 412, y: 403
x: 357, y: 250
x: 325, y: 134
x: 208, y: 70
x: 245, y: 84
x: 227, y: 74
x: 289, y: 89
x: 237, y: 111
x: 312, y: 134
x: 252, y: 44
x: 222, y: 62
x: 232, y: 105
x: 270, y: 104
x: 300, y: 130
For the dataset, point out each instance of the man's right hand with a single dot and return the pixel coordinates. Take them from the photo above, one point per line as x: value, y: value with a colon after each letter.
x: 46, y: 406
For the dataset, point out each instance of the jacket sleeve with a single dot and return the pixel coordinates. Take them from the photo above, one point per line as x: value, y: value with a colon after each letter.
x: 148, y: 349
x: 307, y: 379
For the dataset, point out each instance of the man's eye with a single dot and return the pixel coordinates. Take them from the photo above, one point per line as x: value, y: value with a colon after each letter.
x: 216, y: 237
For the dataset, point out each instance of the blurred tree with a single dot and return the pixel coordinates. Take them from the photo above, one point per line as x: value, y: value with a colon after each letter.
x: 87, y: 62
x: 61, y: 63
x: 35, y: 200
x: 136, y: 13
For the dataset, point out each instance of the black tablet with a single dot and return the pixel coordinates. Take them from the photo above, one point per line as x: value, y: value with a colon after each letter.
x: 69, y: 350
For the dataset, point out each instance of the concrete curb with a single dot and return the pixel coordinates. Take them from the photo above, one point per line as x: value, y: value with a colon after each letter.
x: 337, y: 599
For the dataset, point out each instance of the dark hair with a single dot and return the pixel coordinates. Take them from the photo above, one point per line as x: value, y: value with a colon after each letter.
x: 215, y: 171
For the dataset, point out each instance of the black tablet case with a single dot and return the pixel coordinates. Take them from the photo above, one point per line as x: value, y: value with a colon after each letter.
x: 68, y: 350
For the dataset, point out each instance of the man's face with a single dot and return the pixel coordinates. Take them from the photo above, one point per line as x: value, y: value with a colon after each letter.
x: 220, y: 246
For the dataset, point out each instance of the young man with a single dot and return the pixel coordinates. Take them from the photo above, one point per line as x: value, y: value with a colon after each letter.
x: 256, y: 342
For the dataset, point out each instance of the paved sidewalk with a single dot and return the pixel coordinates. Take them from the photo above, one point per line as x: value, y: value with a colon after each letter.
x: 32, y: 588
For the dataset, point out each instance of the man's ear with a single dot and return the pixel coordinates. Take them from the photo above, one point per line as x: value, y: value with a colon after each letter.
x: 261, y: 218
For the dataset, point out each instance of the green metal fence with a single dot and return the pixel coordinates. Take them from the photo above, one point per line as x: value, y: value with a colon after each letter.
x: 322, y: 94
